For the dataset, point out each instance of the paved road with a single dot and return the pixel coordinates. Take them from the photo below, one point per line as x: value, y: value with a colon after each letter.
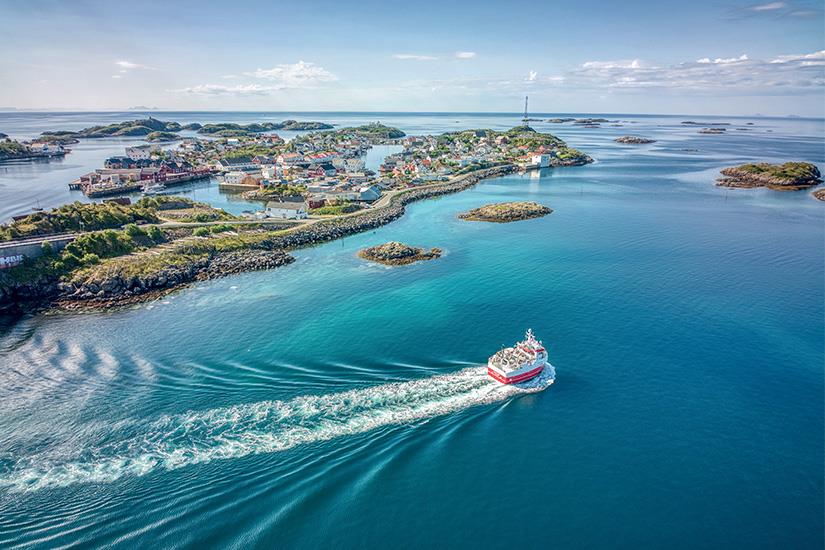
x: 38, y: 240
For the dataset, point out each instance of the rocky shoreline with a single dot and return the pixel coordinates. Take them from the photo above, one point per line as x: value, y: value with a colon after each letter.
x: 505, y: 212
x: 395, y: 253
x: 791, y: 176
x: 119, y: 290
x: 114, y: 290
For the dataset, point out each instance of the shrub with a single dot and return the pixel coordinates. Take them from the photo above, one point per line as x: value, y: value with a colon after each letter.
x: 220, y: 228
x: 156, y: 234
x: 201, y: 231
x: 90, y: 259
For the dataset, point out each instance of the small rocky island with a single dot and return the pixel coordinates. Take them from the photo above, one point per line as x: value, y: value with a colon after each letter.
x: 790, y: 176
x: 395, y: 253
x: 819, y: 194
x: 634, y: 140
x: 504, y: 212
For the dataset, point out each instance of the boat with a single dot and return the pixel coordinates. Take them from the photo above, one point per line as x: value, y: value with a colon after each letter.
x: 153, y: 188
x: 525, y: 360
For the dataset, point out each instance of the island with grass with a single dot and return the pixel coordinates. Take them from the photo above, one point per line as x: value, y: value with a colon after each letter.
x: 162, y: 137
x: 790, y: 176
x: 396, y: 253
x: 504, y: 212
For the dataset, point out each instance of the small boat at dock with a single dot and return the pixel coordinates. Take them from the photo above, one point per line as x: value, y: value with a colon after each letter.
x: 153, y: 188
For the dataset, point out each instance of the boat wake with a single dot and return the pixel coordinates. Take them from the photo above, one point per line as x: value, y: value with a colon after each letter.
x: 199, y: 437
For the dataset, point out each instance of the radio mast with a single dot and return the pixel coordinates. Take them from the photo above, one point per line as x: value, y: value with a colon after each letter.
x: 525, y: 110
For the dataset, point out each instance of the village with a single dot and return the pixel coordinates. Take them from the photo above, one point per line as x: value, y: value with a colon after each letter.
x: 321, y: 172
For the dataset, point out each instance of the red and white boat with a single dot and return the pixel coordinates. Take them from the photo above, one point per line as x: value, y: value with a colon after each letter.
x: 519, y: 363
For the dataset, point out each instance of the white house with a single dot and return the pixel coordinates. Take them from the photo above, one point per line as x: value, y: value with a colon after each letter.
x: 286, y: 210
x: 235, y: 177
x: 269, y: 171
x: 541, y: 161
x: 237, y: 163
x: 141, y: 152
x: 369, y: 193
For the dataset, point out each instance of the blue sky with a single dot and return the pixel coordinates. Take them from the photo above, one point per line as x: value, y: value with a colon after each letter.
x: 695, y: 57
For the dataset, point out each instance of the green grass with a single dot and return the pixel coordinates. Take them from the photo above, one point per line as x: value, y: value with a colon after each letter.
x: 786, y: 171
x: 76, y: 217
x: 336, y: 210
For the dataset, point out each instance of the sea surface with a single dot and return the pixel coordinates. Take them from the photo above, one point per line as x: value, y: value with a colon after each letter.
x: 335, y: 403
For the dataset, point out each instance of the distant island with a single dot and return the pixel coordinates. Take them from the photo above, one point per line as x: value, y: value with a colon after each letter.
x: 395, y: 253
x: 505, y: 212
x: 819, y: 194
x: 790, y: 176
x: 712, y: 131
x: 228, y: 129
x: 634, y: 140
x: 148, y: 126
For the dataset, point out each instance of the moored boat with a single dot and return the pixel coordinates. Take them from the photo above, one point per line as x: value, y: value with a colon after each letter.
x: 153, y: 188
x: 526, y: 360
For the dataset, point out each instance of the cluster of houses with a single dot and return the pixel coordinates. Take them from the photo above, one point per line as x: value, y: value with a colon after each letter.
x: 140, y: 167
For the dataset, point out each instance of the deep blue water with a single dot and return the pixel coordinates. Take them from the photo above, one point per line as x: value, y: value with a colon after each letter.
x: 336, y: 403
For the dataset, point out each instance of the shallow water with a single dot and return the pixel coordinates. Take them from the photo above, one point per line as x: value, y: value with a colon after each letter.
x: 337, y: 402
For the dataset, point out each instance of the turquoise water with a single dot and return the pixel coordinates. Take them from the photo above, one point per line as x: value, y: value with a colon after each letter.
x: 339, y: 403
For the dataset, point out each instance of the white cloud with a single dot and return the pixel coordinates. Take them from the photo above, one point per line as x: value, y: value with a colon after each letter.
x: 720, y: 60
x: 801, y: 72
x: 531, y: 77
x: 772, y: 6
x: 295, y: 75
x: 414, y: 57
x: 221, y: 90
x: 128, y: 66
x: 117, y: 76
x: 632, y: 64
x: 814, y: 58
x: 465, y: 55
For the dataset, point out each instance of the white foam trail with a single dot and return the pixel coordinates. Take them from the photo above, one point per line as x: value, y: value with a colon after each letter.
x: 198, y: 437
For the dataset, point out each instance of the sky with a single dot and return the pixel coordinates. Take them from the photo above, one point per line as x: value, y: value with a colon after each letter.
x: 635, y: 56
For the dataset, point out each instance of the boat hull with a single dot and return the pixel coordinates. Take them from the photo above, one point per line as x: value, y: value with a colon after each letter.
x: 523, y: 377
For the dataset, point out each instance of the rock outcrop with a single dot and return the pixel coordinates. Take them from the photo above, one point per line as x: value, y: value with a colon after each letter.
x: 395, y: 253
x: 634, y: 140
x: 506, y: 212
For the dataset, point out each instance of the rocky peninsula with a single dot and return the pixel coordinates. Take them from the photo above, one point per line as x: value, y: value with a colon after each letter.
x: 634, y: 140
x: 143, y: 276
x: 505, y: 212
x: 790, y: 176
x: 395, y: 253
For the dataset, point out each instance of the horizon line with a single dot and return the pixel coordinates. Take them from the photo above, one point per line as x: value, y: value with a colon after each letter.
x: 499, y: 113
